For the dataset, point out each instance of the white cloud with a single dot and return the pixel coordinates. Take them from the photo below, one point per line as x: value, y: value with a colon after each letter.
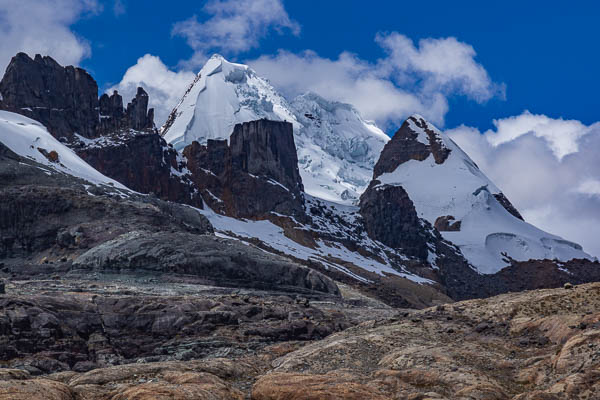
x: 408, y: 79
x: 590, y: 187
x: 42, y: 27
x: 444, y: 65
x: 549, y: 168
x: 561, y: 135
x: 164, y: 87
x: 348, y: 79
x: 235, y: 26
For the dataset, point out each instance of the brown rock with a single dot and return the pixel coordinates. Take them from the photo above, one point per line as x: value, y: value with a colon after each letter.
x: 389, y: 216
x: 181, y: 386
x: 63, y: 99
x: 447, y: 223
x: 294, y: 386
x: 34, y: 389
x: 405, y: 146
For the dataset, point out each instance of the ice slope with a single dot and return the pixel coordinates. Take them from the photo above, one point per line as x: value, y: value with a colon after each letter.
x: 26, y: 137
x: 457, y: 187
x: 336, y: 147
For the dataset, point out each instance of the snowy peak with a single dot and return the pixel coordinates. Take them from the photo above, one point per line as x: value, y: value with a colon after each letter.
x: 416, y: 139
x: 453, y: 194
x: 336, y: 147
x: 222, y: 95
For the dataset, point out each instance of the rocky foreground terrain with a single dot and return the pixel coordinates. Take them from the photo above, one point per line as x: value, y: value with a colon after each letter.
x: 200, y: 342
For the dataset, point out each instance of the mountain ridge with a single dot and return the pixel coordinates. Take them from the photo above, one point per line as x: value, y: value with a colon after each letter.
x: 388, y: 242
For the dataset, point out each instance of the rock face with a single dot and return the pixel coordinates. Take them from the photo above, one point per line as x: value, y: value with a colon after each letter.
x: 48, y: 334
x: 266, y: 148
x: 67, y: 221
x: 390, y: 217
x: 143, y: 162
x: 415, y: 140
x: 501, y: 198
x: 255, y: 175
x: 65, y: 99
x: 121, y: 143
x: 538, y: 345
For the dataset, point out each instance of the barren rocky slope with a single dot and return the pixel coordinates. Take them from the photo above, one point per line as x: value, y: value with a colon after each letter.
x: 537, y: 345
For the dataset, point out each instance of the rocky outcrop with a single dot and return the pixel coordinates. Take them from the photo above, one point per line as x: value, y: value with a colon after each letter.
x: 532, y: 345
x: 415, y: 140
x: 64, y: 99
x: 508, y: 205
x: 266, y: 148
x: 256, y: 174
x: 136, y: 116
x: 143, y: 162
x: 213, y: 260
x: 544, y: 274
x: 447, y: 223
x: 67, y: 221
x: 122, y: 143
x: 390, y: 217
x: 44, y: 334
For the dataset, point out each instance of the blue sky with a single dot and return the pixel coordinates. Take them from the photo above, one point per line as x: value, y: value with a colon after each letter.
x: 514, y: 83
x: 544, y: 52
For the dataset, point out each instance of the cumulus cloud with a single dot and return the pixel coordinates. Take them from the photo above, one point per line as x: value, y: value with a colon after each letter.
x: 164, y: 87
x: 235, y: 26
x: 348, y: 79
x: 444, y: 65
x: 549, y: 168
x: 42, y: 27
x: 410, y: 78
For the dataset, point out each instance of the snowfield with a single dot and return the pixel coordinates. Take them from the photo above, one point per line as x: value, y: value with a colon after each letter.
x: 28, y: 138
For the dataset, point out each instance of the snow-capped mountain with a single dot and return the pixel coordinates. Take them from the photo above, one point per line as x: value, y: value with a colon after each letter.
x: 336, y: 147
x: 452, y: 193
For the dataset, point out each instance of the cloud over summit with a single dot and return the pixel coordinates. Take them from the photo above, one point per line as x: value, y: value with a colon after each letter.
x: 548, y: 167
x: 410, y: 78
